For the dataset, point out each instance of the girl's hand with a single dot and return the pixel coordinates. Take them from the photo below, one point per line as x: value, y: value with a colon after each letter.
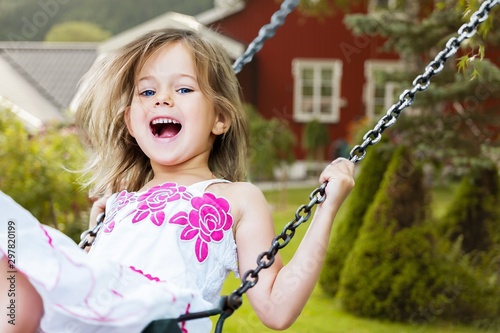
x: 97, y: 208
x: 340, y: 177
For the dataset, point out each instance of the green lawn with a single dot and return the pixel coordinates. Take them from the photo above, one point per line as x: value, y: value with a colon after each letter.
x: 321, y: 314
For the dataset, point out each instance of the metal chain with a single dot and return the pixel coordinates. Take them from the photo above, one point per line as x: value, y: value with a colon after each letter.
x: 85, y: 242
x: 373, y: 136
x: 422, y: 82
x: 266, y: 259
x: 267, y: 31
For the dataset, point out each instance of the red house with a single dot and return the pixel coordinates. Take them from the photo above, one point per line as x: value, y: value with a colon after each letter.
x: 311, y: 69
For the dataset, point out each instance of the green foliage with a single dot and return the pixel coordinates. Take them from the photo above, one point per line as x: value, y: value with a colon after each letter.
x: 396, y: 269
x: 459, y: 111
x: 33, y: 172
x: 315, y: 138
x: 472, y: 223
x: 76, y: 31
x: 474, y: 213
x: 322, y: 8
x: 271, y: 144
x: 345, y: 230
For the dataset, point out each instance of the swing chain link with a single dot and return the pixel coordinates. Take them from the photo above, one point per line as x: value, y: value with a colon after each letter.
x: 267, y: 31
x: 84, y: 237
x: 422, y: 82
x: 267, y: 258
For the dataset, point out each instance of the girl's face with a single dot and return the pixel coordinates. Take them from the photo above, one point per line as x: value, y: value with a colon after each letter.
x: 173, y: 122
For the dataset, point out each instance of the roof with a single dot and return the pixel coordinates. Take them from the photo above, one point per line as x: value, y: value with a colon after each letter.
x: 54, y: 69
x: 175, y: 21
x: 39, y: 80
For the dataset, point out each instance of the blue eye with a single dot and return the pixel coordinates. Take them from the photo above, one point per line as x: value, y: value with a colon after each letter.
x: 147, y: 93
x: 184, y: 90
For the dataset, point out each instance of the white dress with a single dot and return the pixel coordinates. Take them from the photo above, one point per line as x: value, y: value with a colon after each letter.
x: 161, y: 253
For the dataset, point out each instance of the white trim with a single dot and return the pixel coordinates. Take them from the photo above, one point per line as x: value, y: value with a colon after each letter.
x: 370, y: 84
x: 175, y: 21
x: 222, y: 9
x: 27, y: 118
x: 335, y: 100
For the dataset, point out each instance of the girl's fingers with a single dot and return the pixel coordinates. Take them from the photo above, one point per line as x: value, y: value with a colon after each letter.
x: 97, y: 208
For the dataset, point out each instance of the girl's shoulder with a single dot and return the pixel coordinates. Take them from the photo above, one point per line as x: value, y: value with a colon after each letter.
x: 245, y: 198
x: 236, y: 191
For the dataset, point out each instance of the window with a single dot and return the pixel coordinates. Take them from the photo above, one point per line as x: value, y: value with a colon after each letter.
x: 380, y: 96
x: 316, y: 90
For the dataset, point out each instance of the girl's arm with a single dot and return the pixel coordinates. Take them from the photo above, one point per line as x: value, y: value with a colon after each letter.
x: 282, y: 291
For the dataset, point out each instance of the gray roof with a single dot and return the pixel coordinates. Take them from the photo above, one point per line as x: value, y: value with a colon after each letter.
x: 54, y: 69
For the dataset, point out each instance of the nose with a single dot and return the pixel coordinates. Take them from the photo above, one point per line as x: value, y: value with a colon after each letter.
x: 163, y: 99
x: 164, y: 103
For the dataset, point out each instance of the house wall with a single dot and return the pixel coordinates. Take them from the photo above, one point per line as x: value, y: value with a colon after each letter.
x: 267, y: 82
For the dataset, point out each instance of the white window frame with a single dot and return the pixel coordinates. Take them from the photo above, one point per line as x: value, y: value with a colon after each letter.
x: 390, y: 88
x: 335, y: 100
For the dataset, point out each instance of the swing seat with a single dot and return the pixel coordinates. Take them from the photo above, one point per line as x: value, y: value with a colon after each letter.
x: 227, y: 305
x: 163, y: 326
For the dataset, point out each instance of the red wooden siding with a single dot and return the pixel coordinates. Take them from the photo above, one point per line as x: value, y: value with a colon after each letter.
x: 268, y: 83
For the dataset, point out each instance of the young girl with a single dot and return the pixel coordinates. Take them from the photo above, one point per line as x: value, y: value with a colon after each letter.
x: 168, y: 136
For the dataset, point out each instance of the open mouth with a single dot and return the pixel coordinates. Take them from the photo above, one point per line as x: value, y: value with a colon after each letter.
x: 165, y: 127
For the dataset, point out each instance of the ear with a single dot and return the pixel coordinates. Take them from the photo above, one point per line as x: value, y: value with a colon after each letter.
x: 126, y: 117
x: 221, y: 125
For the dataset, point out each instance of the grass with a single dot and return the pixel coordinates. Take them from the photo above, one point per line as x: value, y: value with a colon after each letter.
x: 322, y: 314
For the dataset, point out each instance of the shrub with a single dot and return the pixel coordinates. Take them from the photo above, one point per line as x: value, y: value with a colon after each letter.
x: 271, y: 144
x: 474, y: 215
x: 345, y: 229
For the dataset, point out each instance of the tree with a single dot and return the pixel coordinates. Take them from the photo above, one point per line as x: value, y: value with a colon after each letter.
x: 459, y: 112
x: 34, y: 172
x: 76, y: 31
x: 396, y: 269
x: 30, y: 20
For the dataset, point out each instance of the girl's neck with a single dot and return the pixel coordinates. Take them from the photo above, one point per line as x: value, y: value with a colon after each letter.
x: 184, y: 176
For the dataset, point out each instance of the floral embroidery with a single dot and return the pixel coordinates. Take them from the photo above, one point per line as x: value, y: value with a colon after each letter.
x: 153, y: 202
x: 121, y: 200
x: 206, y: 223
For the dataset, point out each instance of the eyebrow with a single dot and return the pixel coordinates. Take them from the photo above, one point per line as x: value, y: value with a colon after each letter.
x: 180, y: 75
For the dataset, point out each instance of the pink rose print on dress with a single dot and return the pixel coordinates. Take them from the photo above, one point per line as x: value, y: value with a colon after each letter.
x: 153, y: 202
x: 121, y: 200
x: 206, y: 223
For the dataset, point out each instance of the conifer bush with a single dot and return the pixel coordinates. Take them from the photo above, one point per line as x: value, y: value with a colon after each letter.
x: 396, y: 269
x: 345, y: 230
x: 474, y: 216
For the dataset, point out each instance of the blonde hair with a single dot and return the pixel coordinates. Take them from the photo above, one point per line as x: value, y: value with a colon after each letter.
x: 116, y: 160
